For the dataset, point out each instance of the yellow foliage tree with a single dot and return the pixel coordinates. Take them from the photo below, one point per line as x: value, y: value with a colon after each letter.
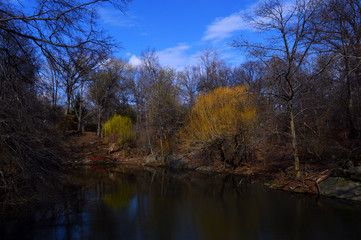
x: 119, y: 129
x: 223, y: 118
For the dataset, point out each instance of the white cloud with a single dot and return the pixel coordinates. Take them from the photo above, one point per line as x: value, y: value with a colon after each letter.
x: 134, y: 61
x: 176, y: 57
x: 223, y: 28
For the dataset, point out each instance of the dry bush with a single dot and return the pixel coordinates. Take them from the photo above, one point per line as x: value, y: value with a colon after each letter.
x: 31, y: 157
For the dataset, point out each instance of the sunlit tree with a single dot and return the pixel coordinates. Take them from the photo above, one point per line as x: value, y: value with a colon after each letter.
x: 223, y: 118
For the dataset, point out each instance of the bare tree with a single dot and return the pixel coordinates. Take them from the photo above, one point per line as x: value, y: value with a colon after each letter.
x: 158, y: 95
x: 214, y: 72
x: 56, y: 23
x: 74, y: 67
x: 104, y: 88
x: 29, y: 158
x: 294, y: 27
x: 27, y: 161
x: 188, y: 81
x: 51, y: 80
x: 341, y: 35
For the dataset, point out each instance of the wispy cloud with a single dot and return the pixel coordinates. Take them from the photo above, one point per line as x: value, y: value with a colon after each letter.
x: 223, y: 28
x: 116, y: 18
x: 176, y: 57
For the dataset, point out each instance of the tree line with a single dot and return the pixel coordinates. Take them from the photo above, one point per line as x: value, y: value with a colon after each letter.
x: 295, y: 100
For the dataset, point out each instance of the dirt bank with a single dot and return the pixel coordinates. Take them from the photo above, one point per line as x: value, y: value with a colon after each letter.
x: 87, y: 149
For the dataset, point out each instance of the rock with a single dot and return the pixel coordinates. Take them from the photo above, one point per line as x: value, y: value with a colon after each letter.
x: 352, y: 174
x: 355, y: 173
x: 195, y: 156
x: 113, y: 148
x: 356, y: 177
x: 341, y: 187
x: 299, y: 190
x: 175, y: 161
x: 339, y: 172
x: 207, y: 169
x: 355, y: 170
x: 275, y: 186
x: 348, y: 164
x: 190, y: 166
x: 150, y: 158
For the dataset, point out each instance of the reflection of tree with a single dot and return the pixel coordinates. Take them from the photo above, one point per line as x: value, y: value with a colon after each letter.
x: 119, y: 196
x: 163, y: 205
x: 227, y: 215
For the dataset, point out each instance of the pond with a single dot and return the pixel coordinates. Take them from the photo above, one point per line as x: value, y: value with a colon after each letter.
x: 146, y: 203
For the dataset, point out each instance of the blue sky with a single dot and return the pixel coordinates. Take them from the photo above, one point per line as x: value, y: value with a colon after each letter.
x: 178, y: 30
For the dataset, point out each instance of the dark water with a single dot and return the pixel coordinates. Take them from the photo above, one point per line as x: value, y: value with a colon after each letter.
x: 158, y: 204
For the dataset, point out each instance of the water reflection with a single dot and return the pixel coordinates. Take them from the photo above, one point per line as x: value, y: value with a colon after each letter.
x: 126, y: 203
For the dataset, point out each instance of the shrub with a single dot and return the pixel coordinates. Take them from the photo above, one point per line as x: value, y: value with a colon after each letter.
x: 119, y: 129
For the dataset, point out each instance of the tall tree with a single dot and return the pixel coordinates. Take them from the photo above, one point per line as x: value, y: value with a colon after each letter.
x: 160, y: 95
x: 51, y: 80
x: 74, y: 67
x: 104, y: 89
x: 294, y: 26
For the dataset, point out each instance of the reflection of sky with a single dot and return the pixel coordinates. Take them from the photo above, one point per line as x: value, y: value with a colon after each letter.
x: 133, y: 207
x: 71, y: 226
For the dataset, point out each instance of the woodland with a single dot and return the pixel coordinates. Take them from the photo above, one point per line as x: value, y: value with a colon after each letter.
x: 295, y: 100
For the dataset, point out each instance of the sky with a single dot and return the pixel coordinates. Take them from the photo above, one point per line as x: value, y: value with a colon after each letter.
x: 179, y: 30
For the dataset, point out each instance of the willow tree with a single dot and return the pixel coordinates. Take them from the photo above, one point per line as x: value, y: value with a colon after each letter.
x: 224, y: 119
x: 119, y: 129
x: 293, y: 27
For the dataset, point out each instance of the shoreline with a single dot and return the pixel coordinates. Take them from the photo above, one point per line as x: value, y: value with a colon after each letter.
x: 87, y: 150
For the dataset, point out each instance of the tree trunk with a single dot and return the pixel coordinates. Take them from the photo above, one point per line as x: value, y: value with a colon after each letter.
x: 294, y: 141
x: 80, y: 110
x: 148, y: 137
x: 351, y: 126
x: 80, y: 117
x: 67, y: 109
x: 99, y: 129
x: 54, y: 97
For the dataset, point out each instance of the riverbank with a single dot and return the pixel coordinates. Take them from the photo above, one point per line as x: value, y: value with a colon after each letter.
x: 87, y: 149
